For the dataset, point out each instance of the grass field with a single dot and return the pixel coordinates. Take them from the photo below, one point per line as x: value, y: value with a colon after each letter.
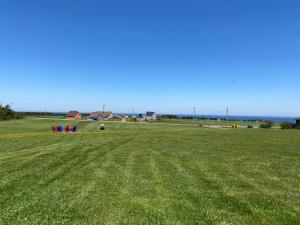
x: 211, y: 122
x: 136, y: 173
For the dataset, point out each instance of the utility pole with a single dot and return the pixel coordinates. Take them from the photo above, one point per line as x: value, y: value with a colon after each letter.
x: 45, y: 112
x: 103, y: 107
x: 194, y: 115
x: 227, y: 115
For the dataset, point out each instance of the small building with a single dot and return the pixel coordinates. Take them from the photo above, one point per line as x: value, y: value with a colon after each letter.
x: 73, y: 115
x: 141, y: 117
x: 95, y: 116
x: 298, y: 122
x: 150, y: 116
x: 101, y: 116
x: 123, y: 117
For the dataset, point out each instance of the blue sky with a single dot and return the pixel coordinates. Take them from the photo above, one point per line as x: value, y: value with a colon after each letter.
x: 166, y: 56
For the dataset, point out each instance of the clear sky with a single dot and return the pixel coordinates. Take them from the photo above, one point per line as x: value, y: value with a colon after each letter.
x: 160, y: 55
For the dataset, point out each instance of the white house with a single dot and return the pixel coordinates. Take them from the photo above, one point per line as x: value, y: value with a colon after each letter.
x: 150, y: 116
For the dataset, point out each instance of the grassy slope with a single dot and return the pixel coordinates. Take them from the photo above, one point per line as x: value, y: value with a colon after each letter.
x: 147, y: 174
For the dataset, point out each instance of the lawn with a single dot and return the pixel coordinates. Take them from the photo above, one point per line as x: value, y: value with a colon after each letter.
x: 137, y: 173
x: 213, y: 122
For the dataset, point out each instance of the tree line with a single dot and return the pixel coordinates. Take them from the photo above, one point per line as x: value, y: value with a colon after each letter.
x: 7, y: 113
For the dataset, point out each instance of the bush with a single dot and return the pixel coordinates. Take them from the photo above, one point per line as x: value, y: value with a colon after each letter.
x: 159, y: 119
x: 286, y: 125
x: 19, y: 115
x: 131, y: 119
x: 267, y: 124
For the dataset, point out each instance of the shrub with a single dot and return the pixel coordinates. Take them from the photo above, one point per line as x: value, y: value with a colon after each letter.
x: 159, y: 119
x: 267, y: 124
x: 286, y: 125
x: 19, y: 115
x: 131, y: 119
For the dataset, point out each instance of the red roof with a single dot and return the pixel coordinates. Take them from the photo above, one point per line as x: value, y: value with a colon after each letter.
x: 72, y: 113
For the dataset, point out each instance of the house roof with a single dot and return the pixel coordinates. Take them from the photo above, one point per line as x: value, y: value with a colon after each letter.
x: 150, y: 113
x: 106, y: 114
x: 95, y: 114
x: 102, y: 114
x: 72, y: 113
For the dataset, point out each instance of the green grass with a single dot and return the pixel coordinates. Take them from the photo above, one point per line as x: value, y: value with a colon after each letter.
x: 135, y: 173
x: 208, y: 122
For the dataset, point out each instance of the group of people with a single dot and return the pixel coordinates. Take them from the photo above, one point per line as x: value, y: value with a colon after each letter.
x: 64, y: 128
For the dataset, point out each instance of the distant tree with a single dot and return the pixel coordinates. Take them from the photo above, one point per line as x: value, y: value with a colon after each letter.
x: 6, y: 113
x: 170, y: 116
x: 286, y: 125
x: 267, y: 124
x: 187, y: 117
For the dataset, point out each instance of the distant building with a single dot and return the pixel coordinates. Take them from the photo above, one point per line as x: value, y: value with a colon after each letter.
x: 123, y: 117
x: 150, y: 116
x: 73, y: 115
x: 95, y: 116
x: 141, y: 117
x: 101, y: 116
x: 298, y: 122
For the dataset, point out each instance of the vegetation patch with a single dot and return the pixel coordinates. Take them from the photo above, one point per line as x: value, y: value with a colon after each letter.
x: 6, y: 113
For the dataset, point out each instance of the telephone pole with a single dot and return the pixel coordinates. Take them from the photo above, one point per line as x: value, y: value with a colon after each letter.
x: 227, y: 115
x: 194, y: 115
x: 103, y: 107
